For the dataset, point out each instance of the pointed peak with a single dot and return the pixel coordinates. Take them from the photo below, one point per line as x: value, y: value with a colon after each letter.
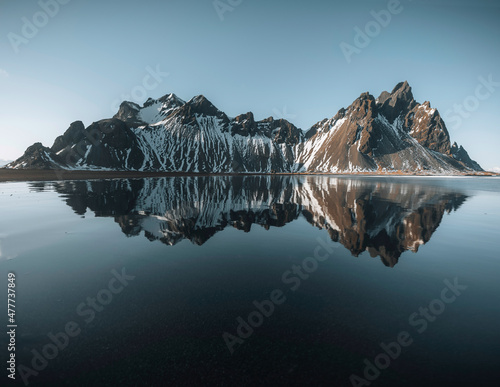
x: 172, y: 98
x: 364, y: 101
x: 128, y: 111
x: 402, y: 91
x: 402, y: 86
x: 168, y: 100
x: 202, y: 102
x: 199, y: 99
x: 201, y: 105
x: 398, y: 102
x: 384, y: 96
x: 129, y: 104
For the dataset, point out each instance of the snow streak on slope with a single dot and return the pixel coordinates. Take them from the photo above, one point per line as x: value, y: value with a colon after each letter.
x: 207, y: 145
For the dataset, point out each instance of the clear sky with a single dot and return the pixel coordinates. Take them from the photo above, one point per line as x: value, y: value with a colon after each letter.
x: 273, y: 57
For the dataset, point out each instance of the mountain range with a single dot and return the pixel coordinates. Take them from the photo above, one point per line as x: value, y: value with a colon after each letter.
x: 386, y: 134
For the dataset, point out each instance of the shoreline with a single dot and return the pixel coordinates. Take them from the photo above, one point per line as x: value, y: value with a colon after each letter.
x: 11, y: 175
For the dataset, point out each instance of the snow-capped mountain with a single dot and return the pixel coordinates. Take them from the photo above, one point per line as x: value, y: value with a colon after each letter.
x: 383, y: 218
x: 390, y: 133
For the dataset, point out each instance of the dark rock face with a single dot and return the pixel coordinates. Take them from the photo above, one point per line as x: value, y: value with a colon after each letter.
x: 390, y: 133
x: 117, y: 146
x: 393, y: 132
x: 399, y: 102
x: 461, y: 155
x: 36, y: 157
x: 423, y: 123
x: 244, y: 125
x: 129, y: 112
x: 71, y: 136
x: 202, y: 107
x: 106, y: 144
x: 284, y: 132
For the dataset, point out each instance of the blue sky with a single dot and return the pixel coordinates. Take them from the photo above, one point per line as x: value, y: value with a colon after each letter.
x: 275, y: 58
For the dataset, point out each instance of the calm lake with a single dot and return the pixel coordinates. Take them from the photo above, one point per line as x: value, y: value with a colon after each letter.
x: 256, y: 280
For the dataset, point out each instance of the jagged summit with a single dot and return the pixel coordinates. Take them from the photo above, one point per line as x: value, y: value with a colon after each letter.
x: 128, y: 111
x: 402, y: 87
x: 201, y: 105
x: 151, y: 111
x: 390, y: 133
x: 399, y: 101
x: 172, y: 98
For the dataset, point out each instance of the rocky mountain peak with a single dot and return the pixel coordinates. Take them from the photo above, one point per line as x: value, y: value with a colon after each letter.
x: 72, y: 135
x: 167, y: 102
x: 460, y: 154
x: 244, y: 125
x: 128, y: 111
x: 247, y: 118
x: 402, y: 88
x: 399, y: 102
x: 364, y: 106
x: 172, y: 98
x: 36, y: 156
x: 340, y: 114
x: 202, y: 106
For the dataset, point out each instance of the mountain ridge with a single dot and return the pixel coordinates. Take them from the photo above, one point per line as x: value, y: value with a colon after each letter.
x: 386, y: 134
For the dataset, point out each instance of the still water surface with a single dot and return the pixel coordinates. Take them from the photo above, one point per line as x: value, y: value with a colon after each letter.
x: 257, y: 280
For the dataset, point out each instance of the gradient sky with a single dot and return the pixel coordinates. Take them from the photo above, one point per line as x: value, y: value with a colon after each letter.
x: 275, y: 58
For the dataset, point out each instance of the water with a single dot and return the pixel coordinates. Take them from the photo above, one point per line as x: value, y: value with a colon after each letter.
x: 155, y: 276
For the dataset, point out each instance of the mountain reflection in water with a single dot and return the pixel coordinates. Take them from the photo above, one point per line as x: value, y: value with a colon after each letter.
x: 383, y: 218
